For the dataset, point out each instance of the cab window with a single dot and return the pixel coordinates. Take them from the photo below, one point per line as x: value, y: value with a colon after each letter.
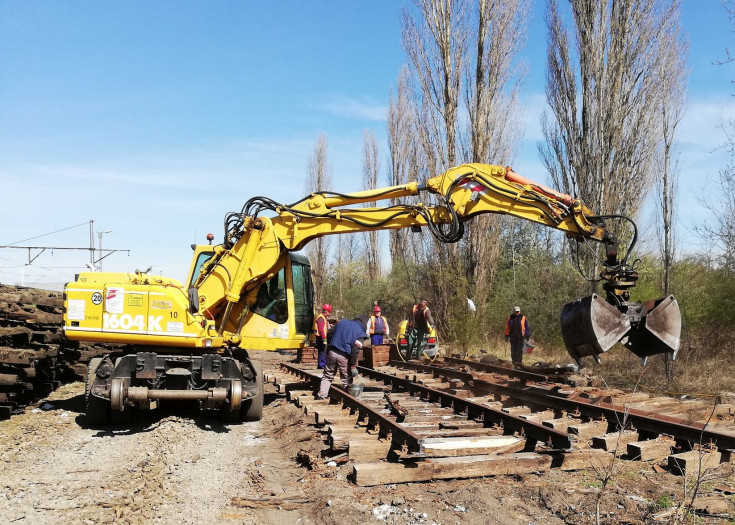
x: 302, y: 295
x: 201, y: 259
x: 271, y: 302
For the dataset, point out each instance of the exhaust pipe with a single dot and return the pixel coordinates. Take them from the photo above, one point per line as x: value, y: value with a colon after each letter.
x: 591, y: 326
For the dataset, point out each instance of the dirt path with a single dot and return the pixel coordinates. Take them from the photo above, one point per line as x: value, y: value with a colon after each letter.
x: 176, y: 467
x: 180, y: 467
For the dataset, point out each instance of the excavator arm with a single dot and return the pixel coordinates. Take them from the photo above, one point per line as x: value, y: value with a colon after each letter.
x: 251, y: 292
x: 254, y: 244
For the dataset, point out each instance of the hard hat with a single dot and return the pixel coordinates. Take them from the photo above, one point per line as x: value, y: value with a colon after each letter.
x: 327, y: 307
x: 376, y: 309
x: 516, y: 308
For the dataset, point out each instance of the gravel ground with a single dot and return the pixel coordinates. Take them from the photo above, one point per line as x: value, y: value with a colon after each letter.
x: 185, y: 467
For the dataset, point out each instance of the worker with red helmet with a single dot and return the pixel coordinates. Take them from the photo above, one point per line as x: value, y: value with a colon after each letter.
x: 322, y: 326
x: 377, y: 327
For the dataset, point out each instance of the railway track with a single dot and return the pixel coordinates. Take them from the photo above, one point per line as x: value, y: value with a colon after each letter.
x: 460, y: 419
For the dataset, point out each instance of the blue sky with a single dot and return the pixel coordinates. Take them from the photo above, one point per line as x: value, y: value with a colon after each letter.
x: 157, y: 118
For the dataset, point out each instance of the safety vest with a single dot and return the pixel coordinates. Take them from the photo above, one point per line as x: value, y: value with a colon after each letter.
x: 372, y: 327
x: 412, y: 321
x: 523, y: 325
x: 321, y: 331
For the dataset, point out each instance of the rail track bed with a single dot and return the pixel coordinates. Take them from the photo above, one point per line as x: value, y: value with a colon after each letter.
x: 461, y: 419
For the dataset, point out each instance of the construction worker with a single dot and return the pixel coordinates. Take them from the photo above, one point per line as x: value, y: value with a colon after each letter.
x: 322, y: 326
x: 343, y: 351
x: 420, y: 324
x: 377, y: 327
x: 516, y: 330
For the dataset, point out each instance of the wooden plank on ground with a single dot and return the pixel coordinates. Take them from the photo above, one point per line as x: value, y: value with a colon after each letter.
x: 345, y: 419
x: 694, y: 462
x: 631, y: 397
x: 562, y: 424
x: 538, y: 417
x: 362, y: 450
x: 465, y: 432
x: 292, y: 395
x: 469, y: 446
x: 340, y: 439
x: 614, y: 440
x: 14, y: 356
x: 8, y: 379
x: 517, y: 410
x: 582, y: 459
x: 370, y: 474
x: 585, y: 431
x: 649, y: 449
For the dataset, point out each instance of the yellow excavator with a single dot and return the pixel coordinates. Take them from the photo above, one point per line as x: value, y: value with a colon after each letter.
x: 253, y: 292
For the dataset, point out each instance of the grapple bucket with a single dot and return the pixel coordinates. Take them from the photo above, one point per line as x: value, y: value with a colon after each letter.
x: 590, y: 326
x: 658, y: 330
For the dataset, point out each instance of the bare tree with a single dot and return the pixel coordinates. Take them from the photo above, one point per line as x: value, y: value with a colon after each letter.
x: 370, y: 171
x: 492, y: 79
x: 667, y: 168
x: 319, y: 178
x: 671, y: 113
x: 436, y: 49
x: 605, y: 98
x: 401, y: 130
x: 464, y: 59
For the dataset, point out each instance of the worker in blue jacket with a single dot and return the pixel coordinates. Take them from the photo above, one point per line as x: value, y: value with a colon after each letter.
x: 343, y: 350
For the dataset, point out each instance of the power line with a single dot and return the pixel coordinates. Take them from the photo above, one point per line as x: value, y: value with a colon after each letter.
x: 51, y: 233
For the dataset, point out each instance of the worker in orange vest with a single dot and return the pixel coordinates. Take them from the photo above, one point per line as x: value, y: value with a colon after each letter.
x: 516, y: 330
x: 322, y: 326
x: 420, y: 323
x: 377, y: 327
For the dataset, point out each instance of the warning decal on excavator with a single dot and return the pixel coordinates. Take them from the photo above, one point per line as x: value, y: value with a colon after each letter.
x: 135, y: 299
x: 114, y: 300
x: 75, y: 309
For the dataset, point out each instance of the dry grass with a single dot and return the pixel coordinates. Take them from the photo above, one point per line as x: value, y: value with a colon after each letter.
x: 696, y: 373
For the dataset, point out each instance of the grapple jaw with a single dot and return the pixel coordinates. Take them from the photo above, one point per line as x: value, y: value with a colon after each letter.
x: 591, y: 326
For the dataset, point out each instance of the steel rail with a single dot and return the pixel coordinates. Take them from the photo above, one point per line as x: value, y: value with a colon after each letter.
x: 617, y: 415
x: 523, y: 375
x: 410, y: 441
x: 532, y: 431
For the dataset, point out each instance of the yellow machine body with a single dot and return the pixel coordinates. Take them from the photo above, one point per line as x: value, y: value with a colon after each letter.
x: 134, y: 309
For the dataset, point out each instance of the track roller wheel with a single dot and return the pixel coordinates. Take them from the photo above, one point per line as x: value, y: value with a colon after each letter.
x: 252, y: 408
x: 97, y: 411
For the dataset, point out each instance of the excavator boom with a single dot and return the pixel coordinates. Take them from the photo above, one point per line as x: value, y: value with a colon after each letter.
x: 590, y: 326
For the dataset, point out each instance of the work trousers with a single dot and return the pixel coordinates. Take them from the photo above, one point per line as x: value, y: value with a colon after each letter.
x: 321, y: 349
x: 376, y: 339
x: 516, y: 350
x: 335, y: 361
x: 416, y: 343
